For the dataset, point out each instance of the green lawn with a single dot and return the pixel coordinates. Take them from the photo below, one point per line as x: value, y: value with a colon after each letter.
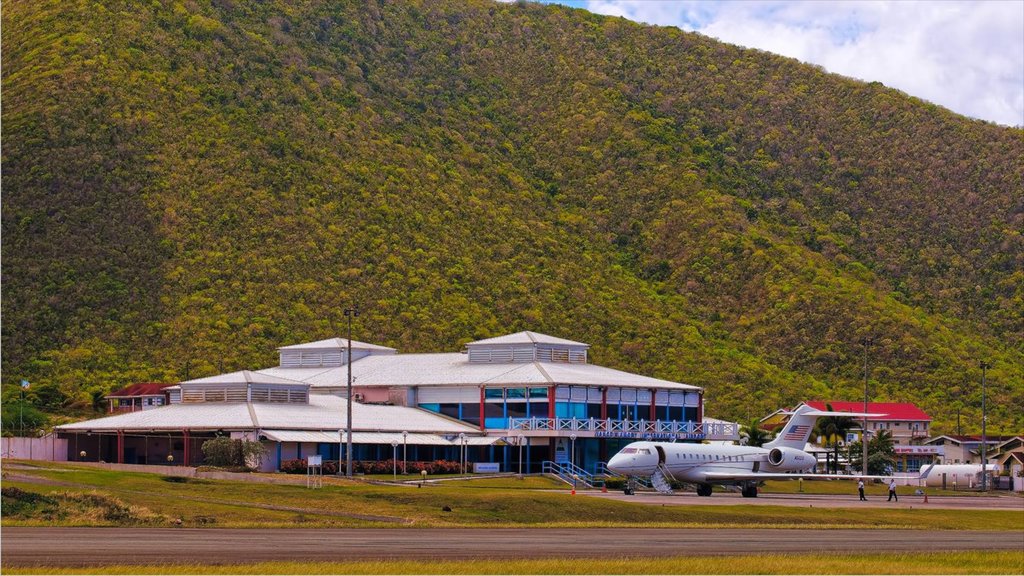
x: 489, y: 502
x: 891, y: 563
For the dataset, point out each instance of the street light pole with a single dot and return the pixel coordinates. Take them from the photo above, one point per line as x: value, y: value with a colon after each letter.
x: 866, y: 343
x: 394, y: 461
x: 21, y: 408
x: 349, y: 313
x: 462, y: 452
x: 984, y: 439
x: 405, y: 451
x: 519, y: 440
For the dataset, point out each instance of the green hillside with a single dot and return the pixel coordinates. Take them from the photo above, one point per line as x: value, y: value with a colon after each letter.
x: 189, y: 185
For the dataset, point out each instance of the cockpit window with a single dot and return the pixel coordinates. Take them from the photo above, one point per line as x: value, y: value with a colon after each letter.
x: 629, y: 450
x: 644, y: 451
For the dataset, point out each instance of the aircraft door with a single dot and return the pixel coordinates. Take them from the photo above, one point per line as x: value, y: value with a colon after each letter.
x: 661, y: 454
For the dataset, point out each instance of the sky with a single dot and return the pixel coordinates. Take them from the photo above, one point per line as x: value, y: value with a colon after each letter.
x: 967, y: 56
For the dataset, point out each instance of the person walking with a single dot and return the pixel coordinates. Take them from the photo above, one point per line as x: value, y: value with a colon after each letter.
x: 860, y: 488
x: 892, y: 491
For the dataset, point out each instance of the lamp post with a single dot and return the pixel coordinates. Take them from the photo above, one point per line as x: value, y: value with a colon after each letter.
x: 21, y: 408
x: 866, y: 343
x: 394, y: 460
x: 349, y: 313
x: 572, y: 449
x: 984, y: 439
x: 519, y: 440
x: 462, y: 452
x: 405, y: 451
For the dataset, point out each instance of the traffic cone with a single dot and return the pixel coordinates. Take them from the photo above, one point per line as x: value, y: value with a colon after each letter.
x: 925, y: 497
x: 604, y: 489
x: 573, y: 492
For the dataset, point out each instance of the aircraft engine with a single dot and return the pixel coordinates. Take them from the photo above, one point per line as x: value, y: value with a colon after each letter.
x: 790, y: 459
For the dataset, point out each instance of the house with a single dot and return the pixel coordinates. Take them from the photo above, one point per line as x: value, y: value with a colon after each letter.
x: 966, y: 449
x: 139, y: 396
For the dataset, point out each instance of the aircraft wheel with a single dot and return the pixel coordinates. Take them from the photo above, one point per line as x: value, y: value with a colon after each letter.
x: 749, y: 492
x: 704, y: 490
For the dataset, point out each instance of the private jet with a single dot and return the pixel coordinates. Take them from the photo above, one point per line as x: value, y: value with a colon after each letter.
x: 731, y: 465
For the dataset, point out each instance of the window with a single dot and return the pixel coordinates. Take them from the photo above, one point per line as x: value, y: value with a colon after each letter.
x: 629, y: 450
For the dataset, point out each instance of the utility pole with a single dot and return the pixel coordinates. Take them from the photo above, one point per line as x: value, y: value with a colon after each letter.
x: 866, y: 343
x: 984, y: 439
x: 349, y: 313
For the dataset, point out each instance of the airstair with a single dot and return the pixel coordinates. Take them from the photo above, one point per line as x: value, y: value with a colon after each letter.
x: 661, y: 479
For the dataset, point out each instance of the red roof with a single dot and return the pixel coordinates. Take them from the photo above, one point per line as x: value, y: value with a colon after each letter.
x: 140, y: 389
x: 891, y: 410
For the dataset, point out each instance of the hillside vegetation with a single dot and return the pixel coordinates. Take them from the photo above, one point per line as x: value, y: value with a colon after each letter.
x: 189, y: 185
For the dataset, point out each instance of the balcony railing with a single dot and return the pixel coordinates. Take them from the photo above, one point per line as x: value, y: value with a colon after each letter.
x: 629, y: 428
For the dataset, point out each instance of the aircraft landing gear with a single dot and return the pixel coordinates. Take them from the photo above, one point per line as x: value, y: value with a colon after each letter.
x: 704, y: 490
x: 629, y: 490
x: 749, y: 490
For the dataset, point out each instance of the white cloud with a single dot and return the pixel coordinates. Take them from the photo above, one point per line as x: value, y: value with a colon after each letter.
x: 966, y: 56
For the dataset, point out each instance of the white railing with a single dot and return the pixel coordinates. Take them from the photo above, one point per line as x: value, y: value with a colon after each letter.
x: 629, y: 428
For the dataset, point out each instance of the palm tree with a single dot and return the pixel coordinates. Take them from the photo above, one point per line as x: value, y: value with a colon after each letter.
x: 881, y: 454
x: 752, y: 434
x: 834, y: 429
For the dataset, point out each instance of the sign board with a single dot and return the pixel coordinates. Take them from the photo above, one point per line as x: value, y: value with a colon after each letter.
x: 479, y: 467
x: 561, y: 452
x: 314, y: 460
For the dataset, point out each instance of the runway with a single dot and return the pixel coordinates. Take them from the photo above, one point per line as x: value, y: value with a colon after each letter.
x: 103, y: 546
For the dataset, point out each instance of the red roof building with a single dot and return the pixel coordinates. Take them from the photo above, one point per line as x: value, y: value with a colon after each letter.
x: 139, y: 396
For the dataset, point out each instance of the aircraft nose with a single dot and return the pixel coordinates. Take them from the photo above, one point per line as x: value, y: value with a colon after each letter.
x: 618, y: 463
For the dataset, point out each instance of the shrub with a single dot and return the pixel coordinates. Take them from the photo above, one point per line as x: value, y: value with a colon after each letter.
x: 227, y: 453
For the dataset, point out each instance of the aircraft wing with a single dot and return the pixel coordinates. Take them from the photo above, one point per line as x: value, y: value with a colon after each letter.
x: 713, y: 476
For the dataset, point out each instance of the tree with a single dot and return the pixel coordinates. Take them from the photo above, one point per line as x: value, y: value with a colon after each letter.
x: 752, y: 434
x: 834, y: 429
x: 881, y: 455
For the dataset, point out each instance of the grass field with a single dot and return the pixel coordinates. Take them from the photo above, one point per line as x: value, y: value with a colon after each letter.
x: 155, y: 500
x: 908, y: 563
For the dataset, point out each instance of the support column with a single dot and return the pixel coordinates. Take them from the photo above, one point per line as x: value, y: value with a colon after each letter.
x: 700, y: 406
x: 654, y: 410
x: 551, y: 402
x: 186, y: 445
x: 604, y: 403
x: 482, y: 421
x: 120, y: 446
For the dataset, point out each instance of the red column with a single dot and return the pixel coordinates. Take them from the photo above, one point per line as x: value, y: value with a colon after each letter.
x: 604, y: 403
x: 551, y: 406
x: 186, y: 447
x: 120, y: 446
x: 482, y: 409
x: 654, y: 410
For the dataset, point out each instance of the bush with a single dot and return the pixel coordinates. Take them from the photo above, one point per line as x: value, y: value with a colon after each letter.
x: 224, y: 452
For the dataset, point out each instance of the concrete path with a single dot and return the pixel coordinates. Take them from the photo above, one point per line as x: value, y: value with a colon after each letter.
x: 1008, y: 502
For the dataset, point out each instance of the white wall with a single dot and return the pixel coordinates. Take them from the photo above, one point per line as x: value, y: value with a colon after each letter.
x: 46, y: 448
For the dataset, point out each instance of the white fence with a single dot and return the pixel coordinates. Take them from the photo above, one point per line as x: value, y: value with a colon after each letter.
x: 48, y: 447
x: 629, y: 428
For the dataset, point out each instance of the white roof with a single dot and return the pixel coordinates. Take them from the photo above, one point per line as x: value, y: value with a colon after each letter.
x: 527, y: 337
x: 324, y: 412
x: 380, y: 438
x: 455, y: 369
x: 335, y: 344
x: 243, y: 377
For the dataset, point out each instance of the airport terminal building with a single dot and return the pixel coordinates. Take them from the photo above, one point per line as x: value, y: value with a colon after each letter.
x: 524, y: 395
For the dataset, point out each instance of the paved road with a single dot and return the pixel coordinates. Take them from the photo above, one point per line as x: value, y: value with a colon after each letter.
x: 1007, y: 502
x: 95, y: 546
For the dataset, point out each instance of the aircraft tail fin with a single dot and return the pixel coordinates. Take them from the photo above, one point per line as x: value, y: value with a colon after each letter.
x: 801, y: 424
